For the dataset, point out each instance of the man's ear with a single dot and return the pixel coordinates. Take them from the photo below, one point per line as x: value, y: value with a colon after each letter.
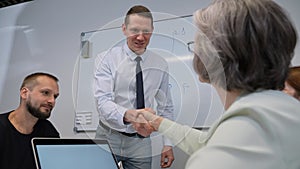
x: 24, y: 92
x: 124, y: 29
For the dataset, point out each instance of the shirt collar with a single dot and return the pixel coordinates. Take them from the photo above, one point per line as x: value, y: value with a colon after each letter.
x: 132, y: 55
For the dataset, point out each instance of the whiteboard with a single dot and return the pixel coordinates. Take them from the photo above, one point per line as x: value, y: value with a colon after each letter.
x: 196, y: 104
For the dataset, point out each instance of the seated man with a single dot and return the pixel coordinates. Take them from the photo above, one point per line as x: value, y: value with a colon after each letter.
x: 38, y: 94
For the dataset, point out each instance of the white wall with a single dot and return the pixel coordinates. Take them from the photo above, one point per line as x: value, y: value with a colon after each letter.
x: 45, y: 36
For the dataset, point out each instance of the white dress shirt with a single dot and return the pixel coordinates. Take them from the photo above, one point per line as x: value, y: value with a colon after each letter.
x: 115, y: 85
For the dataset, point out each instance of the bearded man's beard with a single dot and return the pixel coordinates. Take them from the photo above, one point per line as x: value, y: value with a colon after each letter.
x: 36, y: 112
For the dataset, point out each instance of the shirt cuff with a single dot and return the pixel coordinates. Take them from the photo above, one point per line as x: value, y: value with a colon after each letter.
x: 122, y: 111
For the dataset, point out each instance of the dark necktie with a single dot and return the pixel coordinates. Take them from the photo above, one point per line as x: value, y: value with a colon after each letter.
x: 140, y: 102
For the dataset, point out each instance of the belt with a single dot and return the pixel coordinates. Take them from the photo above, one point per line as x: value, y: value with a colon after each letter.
x: 123, y: 133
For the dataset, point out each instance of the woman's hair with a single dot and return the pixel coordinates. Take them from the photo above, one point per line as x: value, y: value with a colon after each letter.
x: 293, y: 78
x: 251, y: 42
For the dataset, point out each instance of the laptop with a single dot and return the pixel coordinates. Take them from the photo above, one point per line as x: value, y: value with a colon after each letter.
x: 56, y: 153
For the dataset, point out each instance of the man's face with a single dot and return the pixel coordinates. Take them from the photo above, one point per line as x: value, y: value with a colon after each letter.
x: 138, y: 32
x: 41, y: 99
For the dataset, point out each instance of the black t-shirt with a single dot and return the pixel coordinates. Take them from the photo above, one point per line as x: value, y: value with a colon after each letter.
x: 15, y: 148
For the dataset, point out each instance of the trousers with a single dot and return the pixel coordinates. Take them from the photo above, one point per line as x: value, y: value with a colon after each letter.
x: 133, y: 151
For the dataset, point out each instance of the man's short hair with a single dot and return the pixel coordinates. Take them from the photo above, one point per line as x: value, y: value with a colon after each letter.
x: 139, y: 10
x: 30, y: 80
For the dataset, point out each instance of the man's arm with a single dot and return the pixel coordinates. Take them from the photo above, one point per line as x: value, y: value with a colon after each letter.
x: 109, y: 112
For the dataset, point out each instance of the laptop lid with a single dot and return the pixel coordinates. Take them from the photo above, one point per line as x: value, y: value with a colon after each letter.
x: 55, y: 153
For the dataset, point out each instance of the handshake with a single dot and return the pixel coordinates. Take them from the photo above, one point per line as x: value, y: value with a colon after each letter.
x: 144, y: 121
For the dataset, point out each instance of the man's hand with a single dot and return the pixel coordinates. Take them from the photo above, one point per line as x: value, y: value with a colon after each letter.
x: 130, y: 116
x: 167, y: 157
x: 142, y: 126
x: 139, y: 123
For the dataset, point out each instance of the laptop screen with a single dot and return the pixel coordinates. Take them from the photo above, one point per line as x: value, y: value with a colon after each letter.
x: 73, y: 154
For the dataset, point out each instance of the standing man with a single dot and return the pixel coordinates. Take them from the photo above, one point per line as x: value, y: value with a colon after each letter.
x: 115, y: 90
x: 38, y: 93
